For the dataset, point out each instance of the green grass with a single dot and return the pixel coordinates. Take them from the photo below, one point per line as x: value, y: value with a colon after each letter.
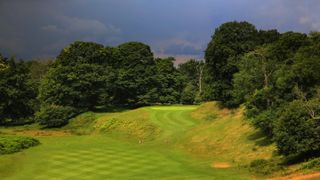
x: 105, y: 157
x: 157, y: 142
x: 174, y: 121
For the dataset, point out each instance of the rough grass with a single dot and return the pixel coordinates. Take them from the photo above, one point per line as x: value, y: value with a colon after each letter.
x: 132, y: 123
x: 226, y: 136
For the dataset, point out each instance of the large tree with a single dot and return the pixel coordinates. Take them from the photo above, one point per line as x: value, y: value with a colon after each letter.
x: 169, y: 82
x: 81, y: 77
x: 136, y: 70
x: 229, y: 42
x: 17, y: 97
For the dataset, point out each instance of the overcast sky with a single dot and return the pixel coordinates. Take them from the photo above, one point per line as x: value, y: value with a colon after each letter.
x: 181, y: 28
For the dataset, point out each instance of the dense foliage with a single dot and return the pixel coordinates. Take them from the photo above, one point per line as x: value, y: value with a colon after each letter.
x: 55, y: 115
x: 17, y: 95
x: 169, y: 82
x: 192, y: 74
x: 136, y: 70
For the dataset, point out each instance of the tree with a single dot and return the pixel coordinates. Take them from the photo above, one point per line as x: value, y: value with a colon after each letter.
x: 169, y: 82
x: 80, y: 77
x: 297, y: 133
x: 136, y: 70
x: 268, y: 37
x: 189, y: 93
x: 192, y: 73
x: 229, y: 42
x: 16, y: 94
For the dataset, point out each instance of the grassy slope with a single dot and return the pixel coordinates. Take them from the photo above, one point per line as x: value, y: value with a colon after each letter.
x: 226, y: 136
x: 133, y: 123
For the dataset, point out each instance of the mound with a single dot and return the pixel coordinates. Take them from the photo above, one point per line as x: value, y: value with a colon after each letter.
x: 12, y: 144
x: 134, y: 123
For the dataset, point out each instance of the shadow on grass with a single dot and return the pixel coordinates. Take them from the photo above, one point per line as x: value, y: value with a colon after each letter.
x: 302, y: 157
x: 105, y: 109
x: 260, y: 139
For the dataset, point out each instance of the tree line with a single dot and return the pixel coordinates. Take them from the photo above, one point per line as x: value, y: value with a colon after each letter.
x: 88, y: 76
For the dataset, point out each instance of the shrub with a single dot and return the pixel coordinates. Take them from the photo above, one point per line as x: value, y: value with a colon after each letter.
x: 12, y: 144
x: 315, y: 163
x: 54, y: 115
x: 296, y: 132
x: 264, y: 167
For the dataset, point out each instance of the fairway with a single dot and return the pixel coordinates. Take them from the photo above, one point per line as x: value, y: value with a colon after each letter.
x: 110, y: 157
x: 173, y: 120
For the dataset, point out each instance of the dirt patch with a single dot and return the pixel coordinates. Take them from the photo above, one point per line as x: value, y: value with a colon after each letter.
x: 312, y: 176
x: 220, y: 165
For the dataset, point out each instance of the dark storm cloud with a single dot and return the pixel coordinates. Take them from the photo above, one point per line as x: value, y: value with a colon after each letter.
x: 180, y: 28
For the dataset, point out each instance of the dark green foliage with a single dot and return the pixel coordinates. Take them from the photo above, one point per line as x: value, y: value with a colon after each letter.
x: 135, y: 74
x: 84, y: 82
x: 82, y: 86
x: 229, y: 42
x: 297, y: 132
x: 169, y: 82
x: 12, y: 144
x: 17, y: 96
x: 192, y: 75
x: 189, y: 93
x: 84, y: 52
x: 269, y: 36
x: 285, y: 48
x: 55, y: 115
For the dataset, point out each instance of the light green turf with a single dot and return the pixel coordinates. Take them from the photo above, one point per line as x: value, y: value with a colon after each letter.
x: 174, y: 121
x: 111, y: 157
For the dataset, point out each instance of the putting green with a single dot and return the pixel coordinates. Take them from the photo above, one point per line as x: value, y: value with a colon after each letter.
x: 112, y: 157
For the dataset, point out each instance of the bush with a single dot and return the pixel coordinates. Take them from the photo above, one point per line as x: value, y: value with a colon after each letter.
x: 12, y: 144
x: 297, y: 133
x: 264, y: 167
x: 315, y: 163
x: 54, y: 115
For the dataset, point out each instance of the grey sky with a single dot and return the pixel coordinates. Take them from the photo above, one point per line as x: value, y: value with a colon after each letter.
x: 181, y: 28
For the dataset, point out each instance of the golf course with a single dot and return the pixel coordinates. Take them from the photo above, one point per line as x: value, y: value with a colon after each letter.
x: 114, y: 150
